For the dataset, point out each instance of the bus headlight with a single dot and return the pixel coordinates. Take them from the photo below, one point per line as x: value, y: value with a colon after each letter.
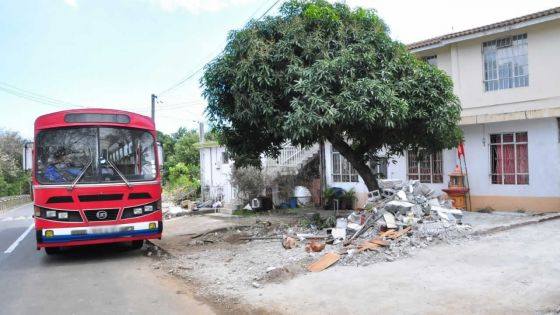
x: 152, y: 226
x: 149, y: 208
x: 63, y: 215
x: 137, y: 211
x: 51, y: 214
x: 49, y: 233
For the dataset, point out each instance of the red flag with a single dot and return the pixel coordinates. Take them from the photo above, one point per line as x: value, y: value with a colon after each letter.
x: 460, y: 150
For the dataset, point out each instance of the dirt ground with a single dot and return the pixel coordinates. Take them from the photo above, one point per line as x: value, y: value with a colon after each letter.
x: 514, y: 271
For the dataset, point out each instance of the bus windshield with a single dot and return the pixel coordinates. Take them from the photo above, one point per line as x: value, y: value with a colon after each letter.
x: 94, y: 155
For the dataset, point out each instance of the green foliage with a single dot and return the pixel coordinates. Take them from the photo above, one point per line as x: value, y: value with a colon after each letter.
x: 249, y: 182
x: 330, y: 222
x: 181, y: 162
x: 348, y: 198
x: 13, y: 180
x: 328, y: 194
x: 322, y: 71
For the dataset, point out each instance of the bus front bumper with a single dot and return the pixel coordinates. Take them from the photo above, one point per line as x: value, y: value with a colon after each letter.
x: 100, y: 234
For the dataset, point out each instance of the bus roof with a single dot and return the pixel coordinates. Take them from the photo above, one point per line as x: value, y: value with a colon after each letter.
x: 57, y: 119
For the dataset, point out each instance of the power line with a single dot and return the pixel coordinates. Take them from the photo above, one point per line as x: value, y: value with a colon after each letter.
x: 190, y: 76
x: 35, y: 97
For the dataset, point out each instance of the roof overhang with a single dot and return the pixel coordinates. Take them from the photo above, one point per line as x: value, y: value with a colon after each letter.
x: 492, y: 29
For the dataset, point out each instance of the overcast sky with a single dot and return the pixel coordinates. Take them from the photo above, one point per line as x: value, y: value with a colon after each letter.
x: 116, y: 53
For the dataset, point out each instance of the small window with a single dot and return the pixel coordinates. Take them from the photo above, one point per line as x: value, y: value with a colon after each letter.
x: 225, y: 157
x: 342, y: 170
x: 509, y: 158
x: 426, y: 167
x: 431, y: 60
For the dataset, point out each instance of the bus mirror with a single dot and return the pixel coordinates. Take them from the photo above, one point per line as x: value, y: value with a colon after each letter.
x: 27, y: 156
x: 160, y: 154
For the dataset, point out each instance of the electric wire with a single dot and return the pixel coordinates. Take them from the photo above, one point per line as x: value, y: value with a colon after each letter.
x: 35, y: 97
x: 190, y: 76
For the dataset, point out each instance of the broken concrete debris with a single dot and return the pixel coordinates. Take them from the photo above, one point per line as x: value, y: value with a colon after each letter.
x: 399, y: 210
x: 289, y: 242
x: 314, y: 246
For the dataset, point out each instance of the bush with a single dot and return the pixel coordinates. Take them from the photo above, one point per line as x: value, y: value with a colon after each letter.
x: 249, y: 182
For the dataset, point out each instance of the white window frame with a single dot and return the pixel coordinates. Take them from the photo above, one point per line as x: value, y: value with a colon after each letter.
x: 342, y: 170
x: 431, y: 60
x: 512, y: 51
x: 515, y: 143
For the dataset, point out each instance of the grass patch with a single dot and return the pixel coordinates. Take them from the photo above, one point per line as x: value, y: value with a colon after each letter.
x: 244, y: 213
x: 486, y: 210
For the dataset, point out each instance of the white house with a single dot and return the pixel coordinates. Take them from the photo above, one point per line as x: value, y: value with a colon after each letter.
x: 506, y: 76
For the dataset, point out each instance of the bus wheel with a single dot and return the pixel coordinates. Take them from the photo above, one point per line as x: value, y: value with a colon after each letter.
x: 137, y: 244
x: 52, y: 250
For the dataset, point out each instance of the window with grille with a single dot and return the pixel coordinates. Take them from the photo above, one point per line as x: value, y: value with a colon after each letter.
x: 426, y: 167
x: 509, y: 158
x: 342, y: 170
x: 431, y: 60
x: 506, y: 64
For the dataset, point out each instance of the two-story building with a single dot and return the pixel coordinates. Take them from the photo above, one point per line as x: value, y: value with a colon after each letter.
x: 506, y: 76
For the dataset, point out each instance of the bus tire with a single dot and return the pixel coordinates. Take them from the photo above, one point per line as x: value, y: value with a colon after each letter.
x: 52, y: 250
x: 137, y: 244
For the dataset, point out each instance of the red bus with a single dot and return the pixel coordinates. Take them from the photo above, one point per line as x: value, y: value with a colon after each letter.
x: 96, y: 179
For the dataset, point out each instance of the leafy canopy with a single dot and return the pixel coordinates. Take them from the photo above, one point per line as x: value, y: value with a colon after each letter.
x: 321, y: 71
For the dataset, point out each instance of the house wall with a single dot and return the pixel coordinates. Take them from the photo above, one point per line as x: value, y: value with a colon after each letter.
x: 463, y: 62
x: 215, y: 174
x: 543, y: 192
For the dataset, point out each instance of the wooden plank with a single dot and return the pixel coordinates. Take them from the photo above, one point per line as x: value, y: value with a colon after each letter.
x: 323, y: 263
x: 379, y: 242
x: 367, y: 246
x: 400, y: 233
x: 386, y: 233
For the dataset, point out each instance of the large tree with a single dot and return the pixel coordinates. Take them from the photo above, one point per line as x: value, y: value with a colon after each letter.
x: 320, y: 71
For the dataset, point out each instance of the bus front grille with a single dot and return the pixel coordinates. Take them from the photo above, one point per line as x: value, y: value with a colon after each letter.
x: 101, y: 214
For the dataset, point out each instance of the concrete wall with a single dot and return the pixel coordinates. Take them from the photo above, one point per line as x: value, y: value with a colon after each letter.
x: 464, y: 63
x: 543, y: 191
x: 542, y: 194
x: 214, y: 173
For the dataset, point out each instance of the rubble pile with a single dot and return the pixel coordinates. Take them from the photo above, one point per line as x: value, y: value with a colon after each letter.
x: 401, y: 217
x: 398, y: 219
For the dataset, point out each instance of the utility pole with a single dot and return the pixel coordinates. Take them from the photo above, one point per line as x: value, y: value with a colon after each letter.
x: 154, y: 98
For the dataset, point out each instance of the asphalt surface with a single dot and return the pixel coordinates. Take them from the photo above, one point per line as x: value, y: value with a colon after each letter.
x: 100, y: 279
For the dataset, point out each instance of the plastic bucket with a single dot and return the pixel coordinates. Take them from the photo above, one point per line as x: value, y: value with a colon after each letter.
x: 293, y: 202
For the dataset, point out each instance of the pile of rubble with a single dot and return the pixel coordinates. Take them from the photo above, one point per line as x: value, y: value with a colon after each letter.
x: 399, y: 218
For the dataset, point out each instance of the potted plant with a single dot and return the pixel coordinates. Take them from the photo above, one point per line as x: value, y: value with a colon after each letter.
x: 328, y: 196
x: 348, y: 199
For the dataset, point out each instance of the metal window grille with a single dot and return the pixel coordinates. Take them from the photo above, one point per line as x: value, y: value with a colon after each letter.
x: 431, y: 60
x: 428, y: 168
x: 506, y: 63
x: 509, y: 158
x: 342, y: 170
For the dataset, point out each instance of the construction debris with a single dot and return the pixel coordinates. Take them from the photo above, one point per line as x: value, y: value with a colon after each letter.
x: 289, y: 242
x: 314, y: 246
x: 325, y: 262
x: 397, y: 220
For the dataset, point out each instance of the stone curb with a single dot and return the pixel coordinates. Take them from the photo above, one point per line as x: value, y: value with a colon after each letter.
x: 503, y: 228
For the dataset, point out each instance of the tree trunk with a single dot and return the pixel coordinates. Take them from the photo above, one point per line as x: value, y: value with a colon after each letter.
x: 356, y: 161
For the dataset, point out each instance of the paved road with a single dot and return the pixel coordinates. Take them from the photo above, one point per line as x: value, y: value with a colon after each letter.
x: 87, y: 280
